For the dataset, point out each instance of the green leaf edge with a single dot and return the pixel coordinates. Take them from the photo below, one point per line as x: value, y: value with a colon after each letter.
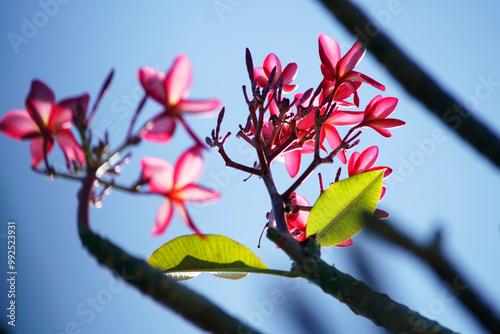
x: 320, y: 233
x: 218, y: 269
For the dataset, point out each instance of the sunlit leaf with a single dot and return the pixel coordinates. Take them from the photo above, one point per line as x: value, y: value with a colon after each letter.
x: 187, y: 256
x: 337, y: 215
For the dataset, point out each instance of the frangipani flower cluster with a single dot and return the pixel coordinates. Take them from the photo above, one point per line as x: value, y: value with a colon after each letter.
x: 309, y: 124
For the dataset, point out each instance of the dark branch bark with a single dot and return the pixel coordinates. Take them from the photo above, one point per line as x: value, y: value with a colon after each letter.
x: 416, y: 81
x: 359, y: 297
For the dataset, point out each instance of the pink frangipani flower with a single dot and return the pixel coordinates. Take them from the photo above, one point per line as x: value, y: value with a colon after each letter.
x: 178, y: 186
x: 45, y: 120
x: 359, y: 163
x: 171, y: 91
x: 289, y: 73
x: 338, y: 70
x: 376, y: 114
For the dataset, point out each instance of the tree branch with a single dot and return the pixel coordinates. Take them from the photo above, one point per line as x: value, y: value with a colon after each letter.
x: 360, y: 298
x: 152, y: 282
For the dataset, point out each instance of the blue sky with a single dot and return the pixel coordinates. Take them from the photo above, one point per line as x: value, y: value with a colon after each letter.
x: 439, y: 182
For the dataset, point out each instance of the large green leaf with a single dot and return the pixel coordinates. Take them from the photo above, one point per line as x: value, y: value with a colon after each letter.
x: 337, y: 215
x: 187, y: 256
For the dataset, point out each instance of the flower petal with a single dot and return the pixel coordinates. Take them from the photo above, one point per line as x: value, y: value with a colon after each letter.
x: 181, y: 209
x: 163, y: 217
x: 329, y: 52
x: 153, y: 82
x: 351, y: 58
x: 343, y: 118
x: 346, y: 243
x: 71, y: 149
x: 367, y: 159
x: 351, y: 166
x: 270, y: 63
x: 17, y: 124
x: 188, y: 168
x: 196, y: 193
x: 333, y: 139
x: 42, y: 99
x: 289, y: 73
x: 160, y: 129
x: 62, y: 113
x: 292, y: 162
x: 261, y: 76
x: 159, y: 173
x: 383, y: 108
x: 204, y: 108
x: 179, y: 79
x: 360, y: 77
x: 36, y: 147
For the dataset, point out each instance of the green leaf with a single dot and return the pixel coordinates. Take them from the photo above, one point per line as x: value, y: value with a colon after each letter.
x: 187, y: 256
x: 337, y: 215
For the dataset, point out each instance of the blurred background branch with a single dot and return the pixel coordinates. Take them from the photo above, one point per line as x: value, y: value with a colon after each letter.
x: 416, y: 81
x: 432, y: 255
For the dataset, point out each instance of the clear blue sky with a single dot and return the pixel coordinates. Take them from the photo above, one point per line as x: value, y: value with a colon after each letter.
x: 443, y: 184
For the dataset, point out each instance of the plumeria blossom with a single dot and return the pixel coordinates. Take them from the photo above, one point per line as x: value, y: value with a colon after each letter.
x: 178, y: 185
x: 289, y: 73
x: 338, y: 70
x: 359, y: 163
x: 171, y: 91
x: 376, y: 114
x: 44, y: 120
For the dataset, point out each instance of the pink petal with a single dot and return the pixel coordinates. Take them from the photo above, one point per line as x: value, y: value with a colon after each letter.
x: 384, y: 107
x: 270, y: 63
x: 367, y: 159
x: 329, y: 52
x: 188, y: 168
x: 160, y: 129
x: 383, y: 132
x: 181, y: 209
x: 343, y: 118
x: 381, y: 214
x: 289, y: 88
x: 351, y: 166
x: 18, y: 124
x: 196, y: 193
x: 360, y: 77
x: 351, y: 58
x: 163, y: 217
x: 261, y: 76
x: 387, y: 170
x: 62, y: 113
x: 333, y: 139
x: 370, y: 105
x: 205, y: 108
x: 42, y: 99
x: 289, y: 73
x: 179, y: 79
x: 153, y: 82
x: 71, y: 149
x: 388, y: 123
x: 346, y: 243
x: 292, y: 162
x: 36, y: 147
x: 159, y: 173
